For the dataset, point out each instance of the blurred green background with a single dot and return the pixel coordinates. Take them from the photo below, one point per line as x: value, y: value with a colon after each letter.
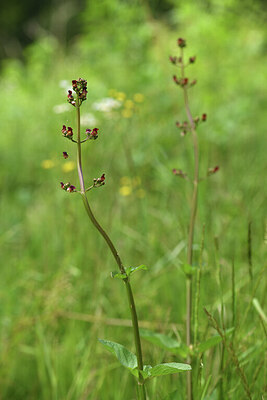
x: 56, y: 294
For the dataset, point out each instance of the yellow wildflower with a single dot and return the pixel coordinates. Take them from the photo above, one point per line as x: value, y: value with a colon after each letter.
x: 68, y: 166
x: 125, y: 190
x: 139, y: 97
x: 47, y: 164
x: 120, y: 96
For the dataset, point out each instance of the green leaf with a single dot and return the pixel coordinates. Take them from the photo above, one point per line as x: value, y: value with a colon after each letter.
x: 118, y: 275
x: 125, y: 357
x: 165, y: 342
x: 131, y: 270
x: 169, y: 368
x: 146, y: 371
x: 212, y: 341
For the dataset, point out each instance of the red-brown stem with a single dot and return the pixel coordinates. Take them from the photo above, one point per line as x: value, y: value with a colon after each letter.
x: 194, y: 203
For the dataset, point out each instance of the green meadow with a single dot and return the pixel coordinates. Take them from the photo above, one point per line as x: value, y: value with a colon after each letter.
x: 57, y: 296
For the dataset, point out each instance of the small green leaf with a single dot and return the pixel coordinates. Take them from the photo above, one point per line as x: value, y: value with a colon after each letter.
x: 212, y: 341
x: 125, y: 357
x: 146, y: 371
x: 188, y: 269
x: 118, y: 275
x: 169, y: 368
x: 131, y: 270
x: 165, y: 342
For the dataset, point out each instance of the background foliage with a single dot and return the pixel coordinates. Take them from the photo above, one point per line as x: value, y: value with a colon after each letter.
x: 55, y: 269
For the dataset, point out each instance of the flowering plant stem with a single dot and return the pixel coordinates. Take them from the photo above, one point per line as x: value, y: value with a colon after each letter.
x: 141, y: 381
x: 193, y: 213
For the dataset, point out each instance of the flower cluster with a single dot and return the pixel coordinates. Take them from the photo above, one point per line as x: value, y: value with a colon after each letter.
x: 80, y: 88
x: 67, y: 132
x: 179, y: 172
x: 184, y: 126
x: 99, y: 181
x: 92, y: 134
x: 183, y: 82
x: 68, y: 187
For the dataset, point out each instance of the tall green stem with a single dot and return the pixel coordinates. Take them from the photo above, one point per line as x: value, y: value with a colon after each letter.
x: 194, y: 203
x: 141, y: 382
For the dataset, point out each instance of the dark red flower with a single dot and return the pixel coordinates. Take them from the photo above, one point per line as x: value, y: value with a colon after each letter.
x: 69, y: 133
x: 184, y: 81
x: 173, y: 60
x: 213, y: 170
x: 192, y: 59
x: 175, y: 79
x: 65, y: 154
x: 181, y: 42
x: 92, y: 134
x: 71, y: 188
x: 204, y: 117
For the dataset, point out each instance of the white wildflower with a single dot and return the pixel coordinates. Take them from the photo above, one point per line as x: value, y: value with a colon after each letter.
x: 106, y: 104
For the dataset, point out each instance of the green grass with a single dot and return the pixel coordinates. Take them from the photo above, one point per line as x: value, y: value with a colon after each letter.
x: 52, y: 259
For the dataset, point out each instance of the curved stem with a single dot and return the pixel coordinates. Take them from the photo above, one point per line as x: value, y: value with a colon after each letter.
x: 194, y: 203
x: 141, y: 381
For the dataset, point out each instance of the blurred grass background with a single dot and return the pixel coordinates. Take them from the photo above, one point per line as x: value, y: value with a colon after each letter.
x: 53, y: 263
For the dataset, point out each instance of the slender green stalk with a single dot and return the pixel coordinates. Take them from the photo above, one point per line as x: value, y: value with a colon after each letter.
x: 141, y: 382
x: 194, y: 204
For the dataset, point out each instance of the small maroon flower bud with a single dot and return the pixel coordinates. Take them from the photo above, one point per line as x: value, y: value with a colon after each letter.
x: 71, y: 188
x: 99, y: 181
x: 65, y: 154
x: 196, y: 120
x: 179, y: 60
x: 184, y: 82
x: 71, y: 98
x: 64, y: 129
x: 213, y: 170
x: 74, y: 84
x: 185, y: 123
x: 69, y: 133
x: 181, y: 42
x: 92, y: 134
x: 192, y: 59
x: 176, y: 80
x: 193, y: 82
x: 179, y: 172
x: 62, y: 185
x: 204, y: 117
x: 178, y: 124
x: 173, y: 60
